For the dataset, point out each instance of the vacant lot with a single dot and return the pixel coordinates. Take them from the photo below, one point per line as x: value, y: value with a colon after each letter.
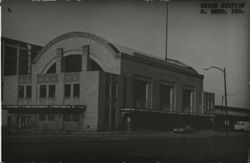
x: 170, y: 147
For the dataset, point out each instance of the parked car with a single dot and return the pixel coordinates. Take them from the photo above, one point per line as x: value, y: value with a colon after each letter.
x: 186, y: 129
x: 242, y: 125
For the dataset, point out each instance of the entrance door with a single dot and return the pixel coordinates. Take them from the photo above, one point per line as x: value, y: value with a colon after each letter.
x: 25, y: 121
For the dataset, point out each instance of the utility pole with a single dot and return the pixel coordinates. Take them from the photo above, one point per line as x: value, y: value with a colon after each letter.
x: 166, y: 46
x: 226, y: 120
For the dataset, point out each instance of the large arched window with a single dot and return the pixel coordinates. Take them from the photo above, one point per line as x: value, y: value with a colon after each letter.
x: 73, y: 63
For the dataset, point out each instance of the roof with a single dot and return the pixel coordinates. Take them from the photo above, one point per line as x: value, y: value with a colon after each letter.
x: 171, y: 64
x: 124, y: 52
x: 132, y: 52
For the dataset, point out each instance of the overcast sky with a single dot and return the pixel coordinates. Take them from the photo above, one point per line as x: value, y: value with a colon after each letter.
x: 193, y: 38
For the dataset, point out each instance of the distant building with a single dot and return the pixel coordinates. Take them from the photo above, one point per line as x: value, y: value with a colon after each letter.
x: 82, y: 82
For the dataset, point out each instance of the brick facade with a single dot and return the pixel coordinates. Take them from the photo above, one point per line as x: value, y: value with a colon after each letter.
x: 110, y: 80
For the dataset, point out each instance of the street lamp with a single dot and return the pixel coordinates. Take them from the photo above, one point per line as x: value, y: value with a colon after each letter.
x: 225, y: 91
x: 166, y: 45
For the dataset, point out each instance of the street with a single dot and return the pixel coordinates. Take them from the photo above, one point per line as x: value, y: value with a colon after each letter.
x: 208, y: 146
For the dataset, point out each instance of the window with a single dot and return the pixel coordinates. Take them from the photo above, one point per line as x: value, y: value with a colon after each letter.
x: 52, y: 90
x: 52, y: 69
x: 141, y: 94
x: 114, y: 87
x: 23, y: 62
x: 20, y: 91
x: 187, y: 100
x: 10, y: 64
x: 107, y: 87
x: 165, y: 97
x: 76, y: 90
x: 72, y: 63
x: 51, y: 117
x: 75, y: 117
x: 66, y: 117
x: 67, y: 90
x: 43, y: 90
x: 208, y: 102
x: 42, y: 117
x: 28, y: 91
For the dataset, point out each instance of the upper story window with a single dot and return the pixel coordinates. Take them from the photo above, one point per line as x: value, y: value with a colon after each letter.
x: 43, y: 90
x: 72, y: 90
x: 67, y: 90
x: 24, y: 91
x: 10, y: 60
x: 141, y: 93
x: 28, y: 91
x: 166, y: 96
x: 72, y: 63
x: 23, y: 62
x: 20, y: 91
x: 76, y: 90
x: 47, y: 90
x: 52, y: 90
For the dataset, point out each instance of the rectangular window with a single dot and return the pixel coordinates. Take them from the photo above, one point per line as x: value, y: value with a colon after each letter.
x: 66, y: 117
x: 20, y: 91
x: 76, y: 90
x: 67, y: 90
x: 51, y: 117
x: 208, y: 102
x: 75, y: 117
x: 187, y: 100
x: 52, y: 90
x: 42, y: 117
x: 28, y: 91
x: 10, y: 64
x: 43, y: 90
x: 165, y: 97
x: 23, y: 62
x: 141, y: 94
x: 114, y: 87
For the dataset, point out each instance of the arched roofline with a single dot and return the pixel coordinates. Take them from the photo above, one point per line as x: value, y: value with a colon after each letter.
x: 92, y: 57
x: 78, y: 34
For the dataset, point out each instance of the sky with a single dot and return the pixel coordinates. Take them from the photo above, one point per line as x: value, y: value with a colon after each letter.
x: 199, y: 40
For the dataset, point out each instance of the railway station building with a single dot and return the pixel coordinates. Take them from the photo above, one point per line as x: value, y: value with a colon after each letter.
x: 82, y: 82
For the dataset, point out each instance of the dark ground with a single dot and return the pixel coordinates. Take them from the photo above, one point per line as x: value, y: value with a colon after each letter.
x: 202, y: 146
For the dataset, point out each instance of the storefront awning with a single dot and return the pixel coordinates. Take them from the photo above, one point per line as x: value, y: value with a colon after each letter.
x: 32, y: 109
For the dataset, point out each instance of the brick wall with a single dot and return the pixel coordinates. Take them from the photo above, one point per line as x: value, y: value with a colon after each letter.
x: 130, y: 68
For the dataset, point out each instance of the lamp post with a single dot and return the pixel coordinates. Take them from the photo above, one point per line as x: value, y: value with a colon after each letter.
x: 223, y: 96
x: 166, y: 45
x: 225, y: 92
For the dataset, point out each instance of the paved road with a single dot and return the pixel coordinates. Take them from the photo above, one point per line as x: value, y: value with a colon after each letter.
x: 119, y: 147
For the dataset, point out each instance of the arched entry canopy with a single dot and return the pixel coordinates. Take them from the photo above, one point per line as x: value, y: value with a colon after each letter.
x: 103, y: 56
